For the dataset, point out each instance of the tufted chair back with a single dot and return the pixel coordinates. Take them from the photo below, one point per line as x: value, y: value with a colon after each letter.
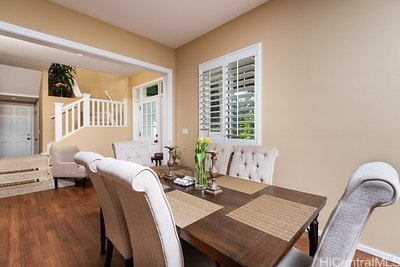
x: 151, y: 225
x: 114, y: 219
x: 256, y: 163
x: 134, y: 151
x: 223, y: 157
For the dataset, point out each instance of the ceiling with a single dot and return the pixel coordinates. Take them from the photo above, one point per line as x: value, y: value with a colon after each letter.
x: 172, y: 23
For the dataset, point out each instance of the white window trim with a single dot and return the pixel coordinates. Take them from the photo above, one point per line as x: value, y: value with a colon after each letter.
x: 253, y: 50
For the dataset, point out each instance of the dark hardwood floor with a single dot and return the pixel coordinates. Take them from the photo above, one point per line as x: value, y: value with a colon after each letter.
x: 60, y: 228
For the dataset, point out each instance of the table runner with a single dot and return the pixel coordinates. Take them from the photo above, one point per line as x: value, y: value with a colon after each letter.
x: 241, y: 185
x: 276, y: 216
x: 188, y: 209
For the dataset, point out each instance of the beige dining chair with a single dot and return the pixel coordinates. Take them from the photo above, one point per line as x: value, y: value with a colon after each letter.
x: 116, y: 230
x: 223, y: 157
x: 151, y: 225
x: 252, y: 162
x: 64, y: 166
x: 373, y: 185
x: 134, y: 151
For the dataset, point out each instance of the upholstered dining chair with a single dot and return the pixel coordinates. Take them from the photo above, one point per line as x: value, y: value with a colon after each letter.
x: 373, y: 185
x: 252, y: 162
x: 151, y: 225
x: 116, y: 230
x: 134, y: 151
x: 223, y: 157
x: 64, y: 166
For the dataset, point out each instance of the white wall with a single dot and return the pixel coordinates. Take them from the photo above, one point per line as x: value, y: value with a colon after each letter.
x: 19, y: 82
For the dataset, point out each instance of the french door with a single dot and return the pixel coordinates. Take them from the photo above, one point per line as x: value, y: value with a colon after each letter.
x: 148, y: 114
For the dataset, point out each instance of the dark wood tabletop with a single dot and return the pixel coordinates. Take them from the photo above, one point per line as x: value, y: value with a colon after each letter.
x: 233, y: 243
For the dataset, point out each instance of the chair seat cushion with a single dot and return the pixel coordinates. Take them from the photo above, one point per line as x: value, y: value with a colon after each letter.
x: 295, y: 258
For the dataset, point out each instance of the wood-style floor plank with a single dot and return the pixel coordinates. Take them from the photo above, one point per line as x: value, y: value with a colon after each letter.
x: 60, y: 228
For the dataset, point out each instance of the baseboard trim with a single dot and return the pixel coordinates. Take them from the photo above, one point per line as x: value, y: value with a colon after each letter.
x: 379, y: 253
x: 375, y: 252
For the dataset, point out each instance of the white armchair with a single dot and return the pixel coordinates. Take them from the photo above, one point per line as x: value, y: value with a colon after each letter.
x: 64, y: 166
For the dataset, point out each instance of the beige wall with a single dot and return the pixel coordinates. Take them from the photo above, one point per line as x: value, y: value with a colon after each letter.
x: 330, y: 93
x: 95, y: 83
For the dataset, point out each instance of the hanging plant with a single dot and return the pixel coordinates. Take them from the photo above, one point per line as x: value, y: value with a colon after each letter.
x: 61, y: 79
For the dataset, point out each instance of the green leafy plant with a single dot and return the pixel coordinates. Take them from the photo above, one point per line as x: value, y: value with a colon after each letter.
x: 61, y: 79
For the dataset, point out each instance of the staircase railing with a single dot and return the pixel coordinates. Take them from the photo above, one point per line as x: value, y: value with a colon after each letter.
x: 87, y: 112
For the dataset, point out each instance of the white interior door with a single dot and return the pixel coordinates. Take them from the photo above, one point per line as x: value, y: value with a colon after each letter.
x: 16, y: 135
x: 150, y: 123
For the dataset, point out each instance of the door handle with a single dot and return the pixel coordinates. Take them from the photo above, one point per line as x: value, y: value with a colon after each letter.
x: 28, y: 138
x: 155, y: 141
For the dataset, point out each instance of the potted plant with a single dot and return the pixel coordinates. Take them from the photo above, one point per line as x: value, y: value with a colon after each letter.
x: 178, y: 156
x: 61, y: 79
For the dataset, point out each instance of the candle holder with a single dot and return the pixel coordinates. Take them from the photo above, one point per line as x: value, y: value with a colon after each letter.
x: 171, y: 162
x: 213, y: 188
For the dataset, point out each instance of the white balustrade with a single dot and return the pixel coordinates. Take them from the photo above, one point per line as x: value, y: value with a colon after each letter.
x: 88, y: 112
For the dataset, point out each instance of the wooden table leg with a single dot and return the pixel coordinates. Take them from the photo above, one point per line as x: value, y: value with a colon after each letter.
x: 313, y: 236
x: 102, y: 234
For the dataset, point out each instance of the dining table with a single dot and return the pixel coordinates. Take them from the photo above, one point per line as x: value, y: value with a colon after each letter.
x: 247, y: 224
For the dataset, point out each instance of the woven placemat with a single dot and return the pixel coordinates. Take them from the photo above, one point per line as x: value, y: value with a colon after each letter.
x: 164, y: 186
x: 278, y: 217
x: 188, y: 209
x: 241, y: 185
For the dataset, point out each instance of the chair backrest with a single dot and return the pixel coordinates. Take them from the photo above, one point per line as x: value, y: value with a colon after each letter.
x: 256, y: 163
x: 114, y: 219
x: 373, y: 185
x: 223, y: 157
x: 63, y: 164
x: 134, y: 151
x: 151, y: 225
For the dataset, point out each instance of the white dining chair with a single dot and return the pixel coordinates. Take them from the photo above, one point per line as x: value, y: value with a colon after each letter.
x: 223, y: 157
x: 116, y: 230
x: 373, y: 185
x: 134, y: 151
x: 255, y: 163
x: 151, y: 225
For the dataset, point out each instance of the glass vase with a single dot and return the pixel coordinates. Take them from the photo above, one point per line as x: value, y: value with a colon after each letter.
x: 201, y: 181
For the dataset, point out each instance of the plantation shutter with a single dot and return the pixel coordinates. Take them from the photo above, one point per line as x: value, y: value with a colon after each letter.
x: 240, y: 99
x: 229, y: 96
x: 210, y: 101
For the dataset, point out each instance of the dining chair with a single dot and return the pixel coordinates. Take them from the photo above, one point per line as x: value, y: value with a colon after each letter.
x: 116, y: 230
x: 134, y: 151
x: 151, y: 225
x: 373, y: 185
x: 223, y: 157
x: 252, y: 162
x: 63, y: 165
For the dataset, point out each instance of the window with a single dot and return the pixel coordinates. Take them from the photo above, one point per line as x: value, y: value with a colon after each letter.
x: 229, y: 93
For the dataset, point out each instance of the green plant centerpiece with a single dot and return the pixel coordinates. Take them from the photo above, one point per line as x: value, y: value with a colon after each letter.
x: 61, y: 79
